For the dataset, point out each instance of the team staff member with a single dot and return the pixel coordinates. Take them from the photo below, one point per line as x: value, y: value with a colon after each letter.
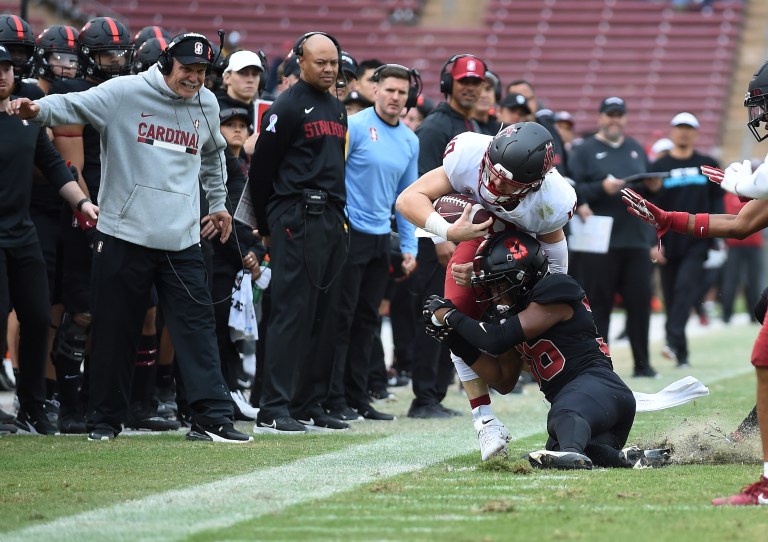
x: 23, y: 276
x: 155, y: 142
x: 298, y: 193
x: 598, y: 166
x: 381, y: 163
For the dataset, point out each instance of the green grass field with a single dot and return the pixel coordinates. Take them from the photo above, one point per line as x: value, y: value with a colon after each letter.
x: 402, y: 480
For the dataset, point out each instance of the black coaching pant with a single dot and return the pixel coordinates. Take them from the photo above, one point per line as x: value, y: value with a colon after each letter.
x: 626, y: 271
x: 307, y: 256
x: 123, y: 275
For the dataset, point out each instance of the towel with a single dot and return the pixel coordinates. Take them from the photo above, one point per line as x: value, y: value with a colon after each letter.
x: 677, y: 393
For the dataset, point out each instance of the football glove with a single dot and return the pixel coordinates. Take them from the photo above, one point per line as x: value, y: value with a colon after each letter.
x: 646, y: 211
x: 433, y: 303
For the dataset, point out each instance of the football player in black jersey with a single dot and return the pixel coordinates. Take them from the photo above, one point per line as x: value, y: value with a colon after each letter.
x: 544, y: 321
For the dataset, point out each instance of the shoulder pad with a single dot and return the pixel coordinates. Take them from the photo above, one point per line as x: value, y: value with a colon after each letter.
x: 557, y: 288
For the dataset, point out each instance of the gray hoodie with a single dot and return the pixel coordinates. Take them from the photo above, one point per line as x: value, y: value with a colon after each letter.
x: 154, y: 145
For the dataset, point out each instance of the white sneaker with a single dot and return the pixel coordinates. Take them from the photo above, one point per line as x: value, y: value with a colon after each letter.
x: 493, y: 437
x: 244, y: 406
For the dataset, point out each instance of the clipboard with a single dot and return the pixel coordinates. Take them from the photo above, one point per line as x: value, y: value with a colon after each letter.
x: 244, y: 211
x: 590, y: 235
x: 637, y: 177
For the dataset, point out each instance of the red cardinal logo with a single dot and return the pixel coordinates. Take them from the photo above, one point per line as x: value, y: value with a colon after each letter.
x: 517, y: 249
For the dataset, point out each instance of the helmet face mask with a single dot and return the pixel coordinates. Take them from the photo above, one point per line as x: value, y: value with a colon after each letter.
x: 56, y: 55
x: 515, y: 163
x: 105, y: 49
x: 756, y: 102
x: 506, y: 267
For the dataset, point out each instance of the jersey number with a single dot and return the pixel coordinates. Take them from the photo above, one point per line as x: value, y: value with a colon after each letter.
x: 544, y: 359
x: 450, y: 147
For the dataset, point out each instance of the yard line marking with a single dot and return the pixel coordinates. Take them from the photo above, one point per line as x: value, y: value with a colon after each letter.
x: 177, y: 514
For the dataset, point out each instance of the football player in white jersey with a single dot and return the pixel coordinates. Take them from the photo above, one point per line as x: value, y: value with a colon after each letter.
x: 510, y: 175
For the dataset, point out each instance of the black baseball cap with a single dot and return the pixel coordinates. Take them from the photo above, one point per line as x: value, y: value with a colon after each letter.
x: 348, y: 65
x: 5, y: 56
x: 355, y: 97
x: 613, y: 104
x: 291, y: 66
x: 193, y: 49
x: 515, y: 101
x: 228, y: 113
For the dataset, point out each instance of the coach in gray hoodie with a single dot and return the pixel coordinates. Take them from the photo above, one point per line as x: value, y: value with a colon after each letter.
x: 159, y: 134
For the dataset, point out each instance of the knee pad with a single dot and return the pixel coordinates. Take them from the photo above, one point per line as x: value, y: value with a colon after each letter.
x: 71, y: 338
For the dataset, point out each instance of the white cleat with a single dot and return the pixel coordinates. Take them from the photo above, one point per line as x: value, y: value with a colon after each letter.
x: 493, y: 437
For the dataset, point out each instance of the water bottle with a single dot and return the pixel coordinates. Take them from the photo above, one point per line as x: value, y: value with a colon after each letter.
x: 256, y: 290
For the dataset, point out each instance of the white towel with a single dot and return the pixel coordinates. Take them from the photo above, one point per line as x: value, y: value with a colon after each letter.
x: 677, y: 393
x: 242, y: 316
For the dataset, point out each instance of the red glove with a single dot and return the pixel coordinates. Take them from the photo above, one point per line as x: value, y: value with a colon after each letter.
x: 716, y: 175
x: 82, y: 221
x: 660, y: 219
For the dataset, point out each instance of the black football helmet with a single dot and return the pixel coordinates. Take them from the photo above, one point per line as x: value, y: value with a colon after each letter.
x: 16, y: 35
x: 756, y: 102
x: 105, y: 48
x: 149, y: 32
x: 56, y: 53
x: 147, y: 54
x: 518, y: 156
x: 214, y: 79
x: 506, y: 267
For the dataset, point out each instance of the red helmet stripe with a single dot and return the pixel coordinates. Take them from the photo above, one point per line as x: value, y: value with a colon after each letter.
x: 18, y: 25
x: 162, y: 42
x: 158, y: 32
x: 70, y: 37
x: 113, y: 29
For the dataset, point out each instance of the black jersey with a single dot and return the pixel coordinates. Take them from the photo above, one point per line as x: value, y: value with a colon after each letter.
x: 91, y: 138
x: 568, y: 348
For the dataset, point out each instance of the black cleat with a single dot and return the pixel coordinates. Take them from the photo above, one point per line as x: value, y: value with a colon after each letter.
x: 218, y: 433
x: 546, y: 459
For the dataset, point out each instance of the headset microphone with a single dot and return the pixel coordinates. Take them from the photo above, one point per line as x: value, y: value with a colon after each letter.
x: 221, y: 34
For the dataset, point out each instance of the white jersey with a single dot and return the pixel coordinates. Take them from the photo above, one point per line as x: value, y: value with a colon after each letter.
x: 547, y: 209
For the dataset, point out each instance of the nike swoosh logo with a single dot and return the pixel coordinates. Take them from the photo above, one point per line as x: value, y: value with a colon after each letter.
x: 761, y: 499
x: 487, y: 421
x: 71, y: 377
x: 601, y: 155
x: 273, y: 425
x: 308, y: 111
x: 145, y: 115
x: 310, y: 421
x: 482, y: 325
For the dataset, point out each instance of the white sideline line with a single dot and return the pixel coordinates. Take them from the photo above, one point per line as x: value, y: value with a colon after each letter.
x: 177, y: 514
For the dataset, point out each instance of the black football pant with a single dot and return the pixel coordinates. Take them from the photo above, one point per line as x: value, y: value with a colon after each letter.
x: 365, y: 280
x: 626, y: 271
x: 24, y: 286
x: 592, y: 412
x: 307, y: 256
x: 123, y: 274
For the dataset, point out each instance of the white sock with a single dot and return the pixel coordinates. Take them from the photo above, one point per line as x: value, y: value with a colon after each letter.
x: 483, y: 410
x: 765, y: 467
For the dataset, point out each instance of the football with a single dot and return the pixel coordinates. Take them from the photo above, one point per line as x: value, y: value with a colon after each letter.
x: 451, y: 206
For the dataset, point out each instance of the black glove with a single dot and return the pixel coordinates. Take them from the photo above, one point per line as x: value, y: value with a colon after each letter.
x: 433, y: 303
x: 439, y: 333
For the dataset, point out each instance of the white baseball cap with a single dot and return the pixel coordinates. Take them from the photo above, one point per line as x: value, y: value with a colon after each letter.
x: 242, y: 59
x: 685, y: 119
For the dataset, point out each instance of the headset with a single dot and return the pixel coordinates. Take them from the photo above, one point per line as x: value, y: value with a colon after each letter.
x: 165, y: 60
x: 414, y: 80
x: 264, y: 70
x: 298, y: 50
x: 446, y: 79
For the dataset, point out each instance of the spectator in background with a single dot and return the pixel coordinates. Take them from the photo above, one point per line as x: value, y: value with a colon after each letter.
x: 242, y: 81
x: 743, y: 268
x: 347, y: 80
x: 291, y: 72
x: 486, y: 108
x: 298, y: 193
x: 598, y: 167
x: 354, y: 103
x: 513, y: 108
x: 413, y: 117
x: 382, y: 157
x: 681, y: 257
x: 521, y: 86
x: 564, y: 124
x: 365, y: 82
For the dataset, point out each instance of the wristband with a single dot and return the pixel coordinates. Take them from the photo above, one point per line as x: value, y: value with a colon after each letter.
x: 80, y: 204
x: 437, y: 225
x: 701, y: 225
x: 679, y: 222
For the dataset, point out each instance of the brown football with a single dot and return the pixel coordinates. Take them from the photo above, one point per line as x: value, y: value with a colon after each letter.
x: 451, y: 206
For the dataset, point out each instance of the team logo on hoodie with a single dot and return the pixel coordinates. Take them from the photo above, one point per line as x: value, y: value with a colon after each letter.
x: 168, y: 138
